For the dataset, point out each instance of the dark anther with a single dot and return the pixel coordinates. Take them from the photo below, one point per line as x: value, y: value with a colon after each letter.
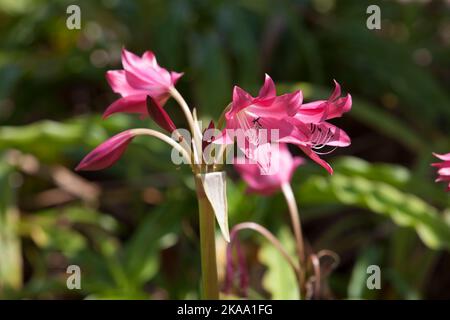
x: 256, y: 122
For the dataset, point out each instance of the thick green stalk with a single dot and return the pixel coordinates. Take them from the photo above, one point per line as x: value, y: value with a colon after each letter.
x: 210, y: 288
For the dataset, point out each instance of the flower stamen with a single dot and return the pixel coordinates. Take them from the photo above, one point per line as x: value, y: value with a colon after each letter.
x: 320, y: 139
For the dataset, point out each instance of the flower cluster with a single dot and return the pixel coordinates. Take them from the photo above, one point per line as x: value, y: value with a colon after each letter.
x: 145, y: 87
x: 302, y: 124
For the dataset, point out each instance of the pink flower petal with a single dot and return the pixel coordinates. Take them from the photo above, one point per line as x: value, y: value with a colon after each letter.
x: 159, y: 115
x: 175, y: 76
x: 441, y: 164
x: 277, y: 107
x: 149, y: 58
x: 119, y: 84
x: 339, y: 107
x: 310, y: 153
x: 444, y: 171
x: 241, y: 99
x: 136, y: 65
x: 268, y: 89
x: 443, y: 157
x: 338, y: 137
x: 312, y: 112
x: 321, y: 110
x: 282, y: 127
x: 129, y: 104
x: 107, y: 153
x: 337, y: 91
x: 153, y: 83
x: 291, y: 101
x: 282, y: 167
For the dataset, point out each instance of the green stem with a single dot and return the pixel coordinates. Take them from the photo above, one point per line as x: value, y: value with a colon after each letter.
x: 210, y: 288
x: 297, y: 227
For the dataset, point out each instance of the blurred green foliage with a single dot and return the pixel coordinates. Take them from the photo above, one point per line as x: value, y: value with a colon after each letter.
x: 132, y: 228
x: 280, y: 277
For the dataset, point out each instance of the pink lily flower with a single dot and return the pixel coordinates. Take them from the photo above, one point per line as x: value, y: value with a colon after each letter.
x: 266, y: 111
x: 140, y: 77
x: 314, y: 132
x: 107, y: 153
x: 304, y: 125
x: 443, y: 169
x: 283, y: 165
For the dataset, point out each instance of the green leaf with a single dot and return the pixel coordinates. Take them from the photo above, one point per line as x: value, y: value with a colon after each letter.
x: 279, y: 279
x: 392, y: 174
x: 53, y: 229
x: 10, y: 244
x: 46, y: 138
x: 156, y: 231
x: 380, y: 197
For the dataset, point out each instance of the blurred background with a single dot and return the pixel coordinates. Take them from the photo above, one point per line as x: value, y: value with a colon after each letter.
x: 133, y: 229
